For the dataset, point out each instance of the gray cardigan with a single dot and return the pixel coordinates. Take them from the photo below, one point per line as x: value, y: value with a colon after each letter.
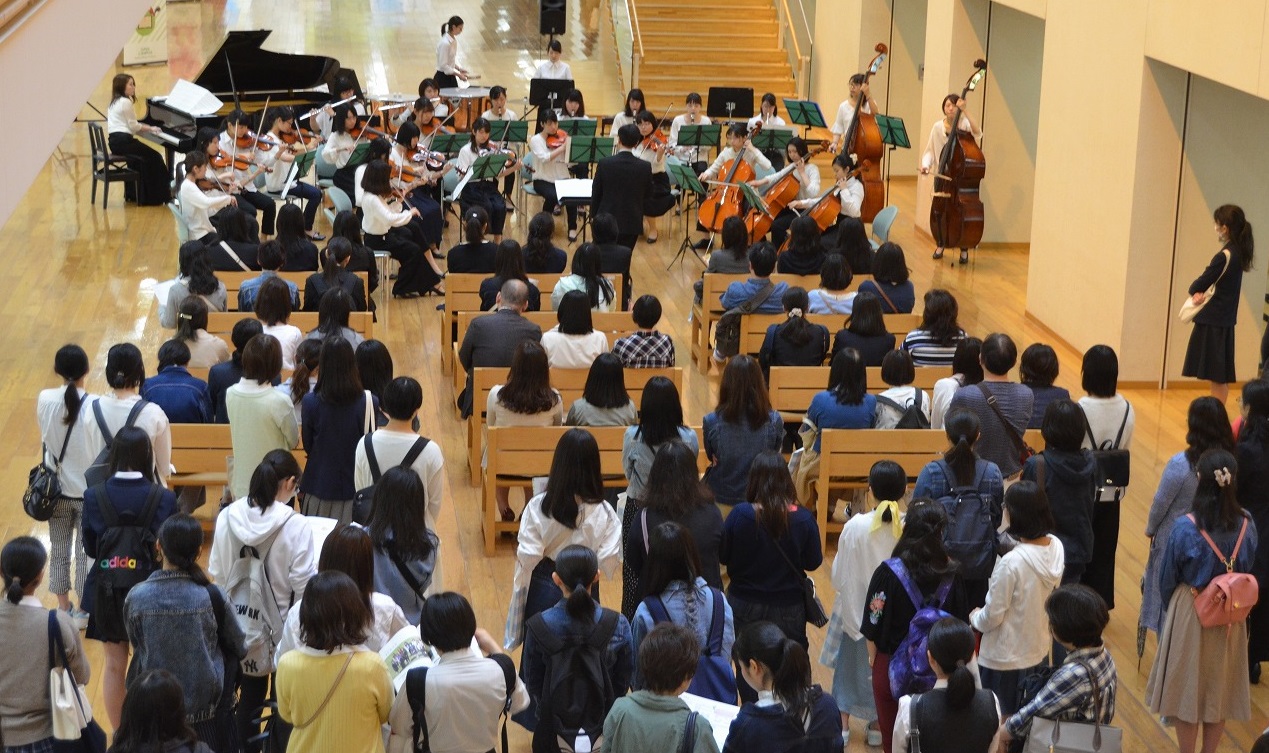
x: 24, y: 691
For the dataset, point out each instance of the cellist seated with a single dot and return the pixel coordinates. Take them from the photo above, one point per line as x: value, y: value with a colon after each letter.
x: 737, y: 143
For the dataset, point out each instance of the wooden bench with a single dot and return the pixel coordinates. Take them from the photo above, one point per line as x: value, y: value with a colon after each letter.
x: 517, y: 453
x: 221, y: 323
x: 569, y: 383
x: 233, y: 282
x: 199, y: 453
x: 462, y: 293
x: 753, y: 327
x: 847, y: 455
x: 792, y: 387
x: 707, y: 313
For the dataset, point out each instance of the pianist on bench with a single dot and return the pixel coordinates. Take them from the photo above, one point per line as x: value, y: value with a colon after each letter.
x: 121, y: 121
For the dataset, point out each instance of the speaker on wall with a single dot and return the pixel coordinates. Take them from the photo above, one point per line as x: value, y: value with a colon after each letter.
x: 551, y: 16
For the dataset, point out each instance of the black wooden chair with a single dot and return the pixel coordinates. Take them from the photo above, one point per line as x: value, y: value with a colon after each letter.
x: 107, y: 168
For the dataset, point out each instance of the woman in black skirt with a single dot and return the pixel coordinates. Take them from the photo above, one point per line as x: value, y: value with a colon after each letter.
x: 1210, y: 354
x: 448, y: 73
x: 121, y: 123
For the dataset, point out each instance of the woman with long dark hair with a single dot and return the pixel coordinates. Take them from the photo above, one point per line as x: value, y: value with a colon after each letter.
x: 348, y: 226
x: 205, y: 349
x: 540, y: 254
x: 476, y: 254
x: 743, y: 425
x: 769, y: 544
x: 795, y: 341
x: 933, y: 342
x: 1207, y: 428
x: 852, y: 243
x: 604, y: 400
x: 805, y: 254
x: 298, y: 250
x: 1210, y: 354
x: 509, y: 264
x: 156, y: 718
x: 392, y: 227
x: 1253, y: 478
x: 196, y: 278
x: 526, y: 399
x: 407, y: 553
x: 121, y: 128
x: 844, y: 404
x: 448, y: 73
x: 967, y: 369
x: 635, y: 103
x: 1199, y: 673
x: 587, y: 277
x: 335, y: 417
x: 865, y: 331
x: 333, y: 314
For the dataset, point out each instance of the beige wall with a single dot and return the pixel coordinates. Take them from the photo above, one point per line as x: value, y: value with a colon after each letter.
x: 904, y: 76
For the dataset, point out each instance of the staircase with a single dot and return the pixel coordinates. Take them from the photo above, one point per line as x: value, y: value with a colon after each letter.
x: 691, y: 46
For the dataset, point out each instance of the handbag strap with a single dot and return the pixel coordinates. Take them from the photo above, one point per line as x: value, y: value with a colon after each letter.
x: 797, y: 570
x: 760, y: 297
x: 884, y: 297
x: 370, y: 415
x: 1097, y: 711
x: 410, y: 580
x: 1228, y: 563
x: 1015, y: 436
x: 329, y: 694
x: 55, y: 644
x: 65, y: 441
x: 371, y: 460
x: 235, y: 256
x: 689, y: 733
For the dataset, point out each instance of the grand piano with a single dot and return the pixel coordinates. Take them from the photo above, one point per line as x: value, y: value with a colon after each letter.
x: 257, y: 75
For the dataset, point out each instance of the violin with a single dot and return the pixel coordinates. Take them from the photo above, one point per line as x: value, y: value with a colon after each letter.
x: 363, y: 129
x: 557, y: 140
x: 863, y: 139
x: 777, y: 197
x: 827, y: 208
x: 433, y: 127
x: 240, y: 162
x: 956, y: 211
x: 434, y: 161
x: 724, y: 201
x: 252, y: 140
x: 300, y: 136
x: 654, y: 141
x: 487, y: 150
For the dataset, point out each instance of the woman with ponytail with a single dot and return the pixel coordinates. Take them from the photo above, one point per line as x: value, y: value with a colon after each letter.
x: 448, y: 73
x: 475, y: 255
x: 790, y: 713
x: 956, y: 715
x: 177, y: 622
x: 866, y: 541
x: 1199, y: 675
x: 1253, y: 479
x: 961, y: 466
x: 335, y: 274
x: 25, y: 715
x: 66, y: 432
x: 1210, y: 354
x: 264, y: 515
x: 889, y: 609
x: 577, y: 615
x: 795, y: 341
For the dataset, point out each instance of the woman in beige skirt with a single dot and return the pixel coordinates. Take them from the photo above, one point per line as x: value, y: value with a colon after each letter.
x: 1200, y: 674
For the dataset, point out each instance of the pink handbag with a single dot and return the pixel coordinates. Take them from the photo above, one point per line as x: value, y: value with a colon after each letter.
x: 1229, y: 597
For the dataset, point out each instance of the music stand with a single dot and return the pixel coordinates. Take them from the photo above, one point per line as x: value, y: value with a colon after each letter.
x: 449, y: 143
x: 510, y: 132
x: 488, y: 166
x: 360, y: 154
x: 774, y: 138
x: 730, y: 102
x: 805, y: 113
x: 686, y: 179
x: 544, y: 93
x: 584, y: 150
x: 893, y: 132
x: 579, y: 126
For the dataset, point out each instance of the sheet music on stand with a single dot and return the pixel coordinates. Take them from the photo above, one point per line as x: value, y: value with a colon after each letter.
x: 193, y: 99
x: 574, y: 189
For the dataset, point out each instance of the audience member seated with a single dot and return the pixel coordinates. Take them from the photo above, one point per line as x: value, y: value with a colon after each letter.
x: 614, y: 258
x: 574, y: 342
x: 197, y: 279
x: 492, y: 340
x: 299, y: 252
x: 890, y: 280
x: 587, y: 277
x: 508, y: 265
x: 527, y: 399
x: 271, y: 258
x: 238, y: 246
x: 646, y: 348
x: 183, y: 397
x: 1039, y: 370
x: 832, y: 296
x: 795, y: 341
x: 852, y: 243
x: 475, y: 254
x: 332, y: 318
x: 273, y: 309
x: 865, y: 331
x: 222, y: 376
x: 335, y: 274
x: 933, y: 342
x: 804, y: 255
x: 898, y: 372
x: 845, y: 404
x: 191, y: 328
x: 967, y: 369
x: 541, y: 255
x: 762, y: 262
x: 347, y: 225
x: 604, y: 400
x: 732, y: 258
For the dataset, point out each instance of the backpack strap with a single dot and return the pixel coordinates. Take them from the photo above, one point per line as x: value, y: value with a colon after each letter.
x: 643, y: 522
x: 1122, y: 425
x: 152, y: 499
x: 604, y: 630
x: 135, y: 412
x: 657, y: 610
x: 689, y: 733
x: 406, y: 575
x: 101, y: 424
x: 901, y: 572
x: 891, y: 403
x: 716, y: 623
x: 370, y: 457
x: 107, y: 508
x: 416, y: 449
x: 1228, y: 563
x: 416, y: 696
x: 759, y: 297
x: 551, y: 643
x: 508, y: 677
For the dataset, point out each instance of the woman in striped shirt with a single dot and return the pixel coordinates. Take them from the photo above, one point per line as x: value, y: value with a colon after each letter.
x: 934, y: 342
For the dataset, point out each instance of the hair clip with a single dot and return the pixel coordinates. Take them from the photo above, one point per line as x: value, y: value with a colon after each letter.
x: 1223, y: 477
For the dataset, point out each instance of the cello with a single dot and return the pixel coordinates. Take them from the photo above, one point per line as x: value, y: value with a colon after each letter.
x: 956, y: 211
x: 826, y: 209
x: 724, y: 201
x: 777, y: 197
x: 863, y: 140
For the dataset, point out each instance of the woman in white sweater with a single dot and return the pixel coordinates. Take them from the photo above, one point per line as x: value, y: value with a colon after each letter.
x: 389, y: 227
x: 574, y: 343
x: 198, y: 205
x: 1013, y: 621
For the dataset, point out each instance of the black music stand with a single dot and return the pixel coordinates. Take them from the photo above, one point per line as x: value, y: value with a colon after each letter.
x: 700, y: 136
x: 547, y: 93
x: 687, y: 181
x: 586, y: 150
x: 805, y: 113
x: 893, y: 132
x: 579, y: 126
x: 730, y: 102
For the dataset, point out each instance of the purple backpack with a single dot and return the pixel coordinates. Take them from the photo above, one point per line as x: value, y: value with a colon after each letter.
x: 910, y: 670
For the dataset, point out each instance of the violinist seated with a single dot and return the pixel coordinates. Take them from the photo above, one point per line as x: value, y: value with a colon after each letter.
x: 808, y: 178
x: 239, y: 142
x: 550, y: 163
x: 277, y: 150
x: 219, y: 180
x: 425, y: 115
x: 653, y: 149
x: 499, y: 112
x: 412, y: 180
x: 737, y: 144
x: 483, y: 193
x: 197, y: 204
x: 339, y: 148
x: 846, y: 111
x: 689, y: 155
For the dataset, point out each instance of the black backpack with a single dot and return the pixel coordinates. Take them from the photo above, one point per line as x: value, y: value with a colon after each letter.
x: 125, y: 557
x: 911, y: 417
x: 970, y: 535
x: 99, y: 471
x: 364, y: 499
x: 727, y: 329
x: 416, y: 695
x: 577, y: 692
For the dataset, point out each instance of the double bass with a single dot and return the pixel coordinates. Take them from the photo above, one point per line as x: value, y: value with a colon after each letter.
x: 956, y: 212
x: 724, y: 201
x: 863, y: 139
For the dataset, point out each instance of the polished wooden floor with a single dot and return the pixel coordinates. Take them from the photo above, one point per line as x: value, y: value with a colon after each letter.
x: 82, y: 274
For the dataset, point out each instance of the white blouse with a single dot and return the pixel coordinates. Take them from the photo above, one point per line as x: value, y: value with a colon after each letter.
x: 686, y: 153
x: 338, y: 149
x: 573, y: 351
x: 544, y: 166
x: 555, y: 71
x: 938, y: 139
x: 808, y: 184
x: 852, y: 196
x: 197, y: 206
x: 121, y: 117
x: 378, y: 216
x: 228, y: 148
x: 447, y: 55
x: 653, y: 157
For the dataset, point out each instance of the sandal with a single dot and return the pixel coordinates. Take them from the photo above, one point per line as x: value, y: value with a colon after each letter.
x: 964, y: 257
x: 938, y: 254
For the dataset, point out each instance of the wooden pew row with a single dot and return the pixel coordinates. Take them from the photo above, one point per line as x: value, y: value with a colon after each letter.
x: 616, y: 324
x: 847, y: 455
x: 198, y: 454
x: 462, y: 293
x: 753, y: 327
x: 221, y: 323
x: 707, y: 313
x: 234, y: 280
x: 517, y: 454
x: 792, y: 387
x: 569, y: 383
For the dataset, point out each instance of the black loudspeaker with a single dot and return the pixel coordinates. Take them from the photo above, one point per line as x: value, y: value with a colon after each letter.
x: 551, y: 16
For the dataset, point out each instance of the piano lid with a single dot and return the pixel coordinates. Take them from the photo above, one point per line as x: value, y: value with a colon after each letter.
x: 259, y: 70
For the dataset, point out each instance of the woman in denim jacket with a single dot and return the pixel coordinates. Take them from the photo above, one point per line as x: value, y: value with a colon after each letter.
x: 175, y: 622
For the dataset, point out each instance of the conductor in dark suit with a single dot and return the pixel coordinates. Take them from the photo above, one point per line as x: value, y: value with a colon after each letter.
x: 492, y: 340
x: 621, y: 186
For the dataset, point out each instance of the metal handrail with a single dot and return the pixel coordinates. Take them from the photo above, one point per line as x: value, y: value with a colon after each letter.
x: 801, y: 62
x: 636, y: 49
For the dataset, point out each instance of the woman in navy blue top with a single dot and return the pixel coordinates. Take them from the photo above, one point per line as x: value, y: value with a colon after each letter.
x: 789, y: 713
x: 865, y: 331
x: 1200, y: 673
x: 795, y: 341
x: 846, y: 404
x: 128, y: 491
x: 890, y: 280
x: 743, y: 425
x: 769, y: 543
x: 334, y: 417
x: 1210, y: 354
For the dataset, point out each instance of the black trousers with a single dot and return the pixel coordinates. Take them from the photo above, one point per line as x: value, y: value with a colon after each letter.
x: 404, y: 245
x: 485, y: 194
x: 551, y: 200
x: 268, y: 209
x: 154, y: 187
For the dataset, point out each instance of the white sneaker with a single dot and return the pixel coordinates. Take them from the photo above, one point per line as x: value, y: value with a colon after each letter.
x: 873, y: 739
x: 79, y: 617
x: 845, y: 740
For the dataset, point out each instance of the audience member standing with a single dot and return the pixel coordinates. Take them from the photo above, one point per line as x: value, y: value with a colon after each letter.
x: 1003, y: 407
x: 1210, y: 354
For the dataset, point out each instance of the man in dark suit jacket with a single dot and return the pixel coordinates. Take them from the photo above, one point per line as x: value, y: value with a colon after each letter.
x: 614, y: 258
x: 492, y: 340
x: 621, y: 186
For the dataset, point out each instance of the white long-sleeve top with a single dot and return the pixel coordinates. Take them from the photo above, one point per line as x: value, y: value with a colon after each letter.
x: 545, y: 166
x: 767, y: 121
x: 228, y: 148
x: 447, y: 54
x: 938, y: 139
x: 197, y: 207
x: 619, y: 120
x: 339, y: 148
x: 846, y: 113
x: 686, y: 153
x: 555, y: 71
x: 751, y: 155
x: 860, y: 550
x: 654, y: 157
x: 808, y: 183
x: 852, y: 196
x: 121, y: 117
x: 1013, y: 619
x: 379, y: 216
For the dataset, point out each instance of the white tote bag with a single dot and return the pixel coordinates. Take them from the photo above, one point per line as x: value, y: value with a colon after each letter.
x: 69, y: 705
